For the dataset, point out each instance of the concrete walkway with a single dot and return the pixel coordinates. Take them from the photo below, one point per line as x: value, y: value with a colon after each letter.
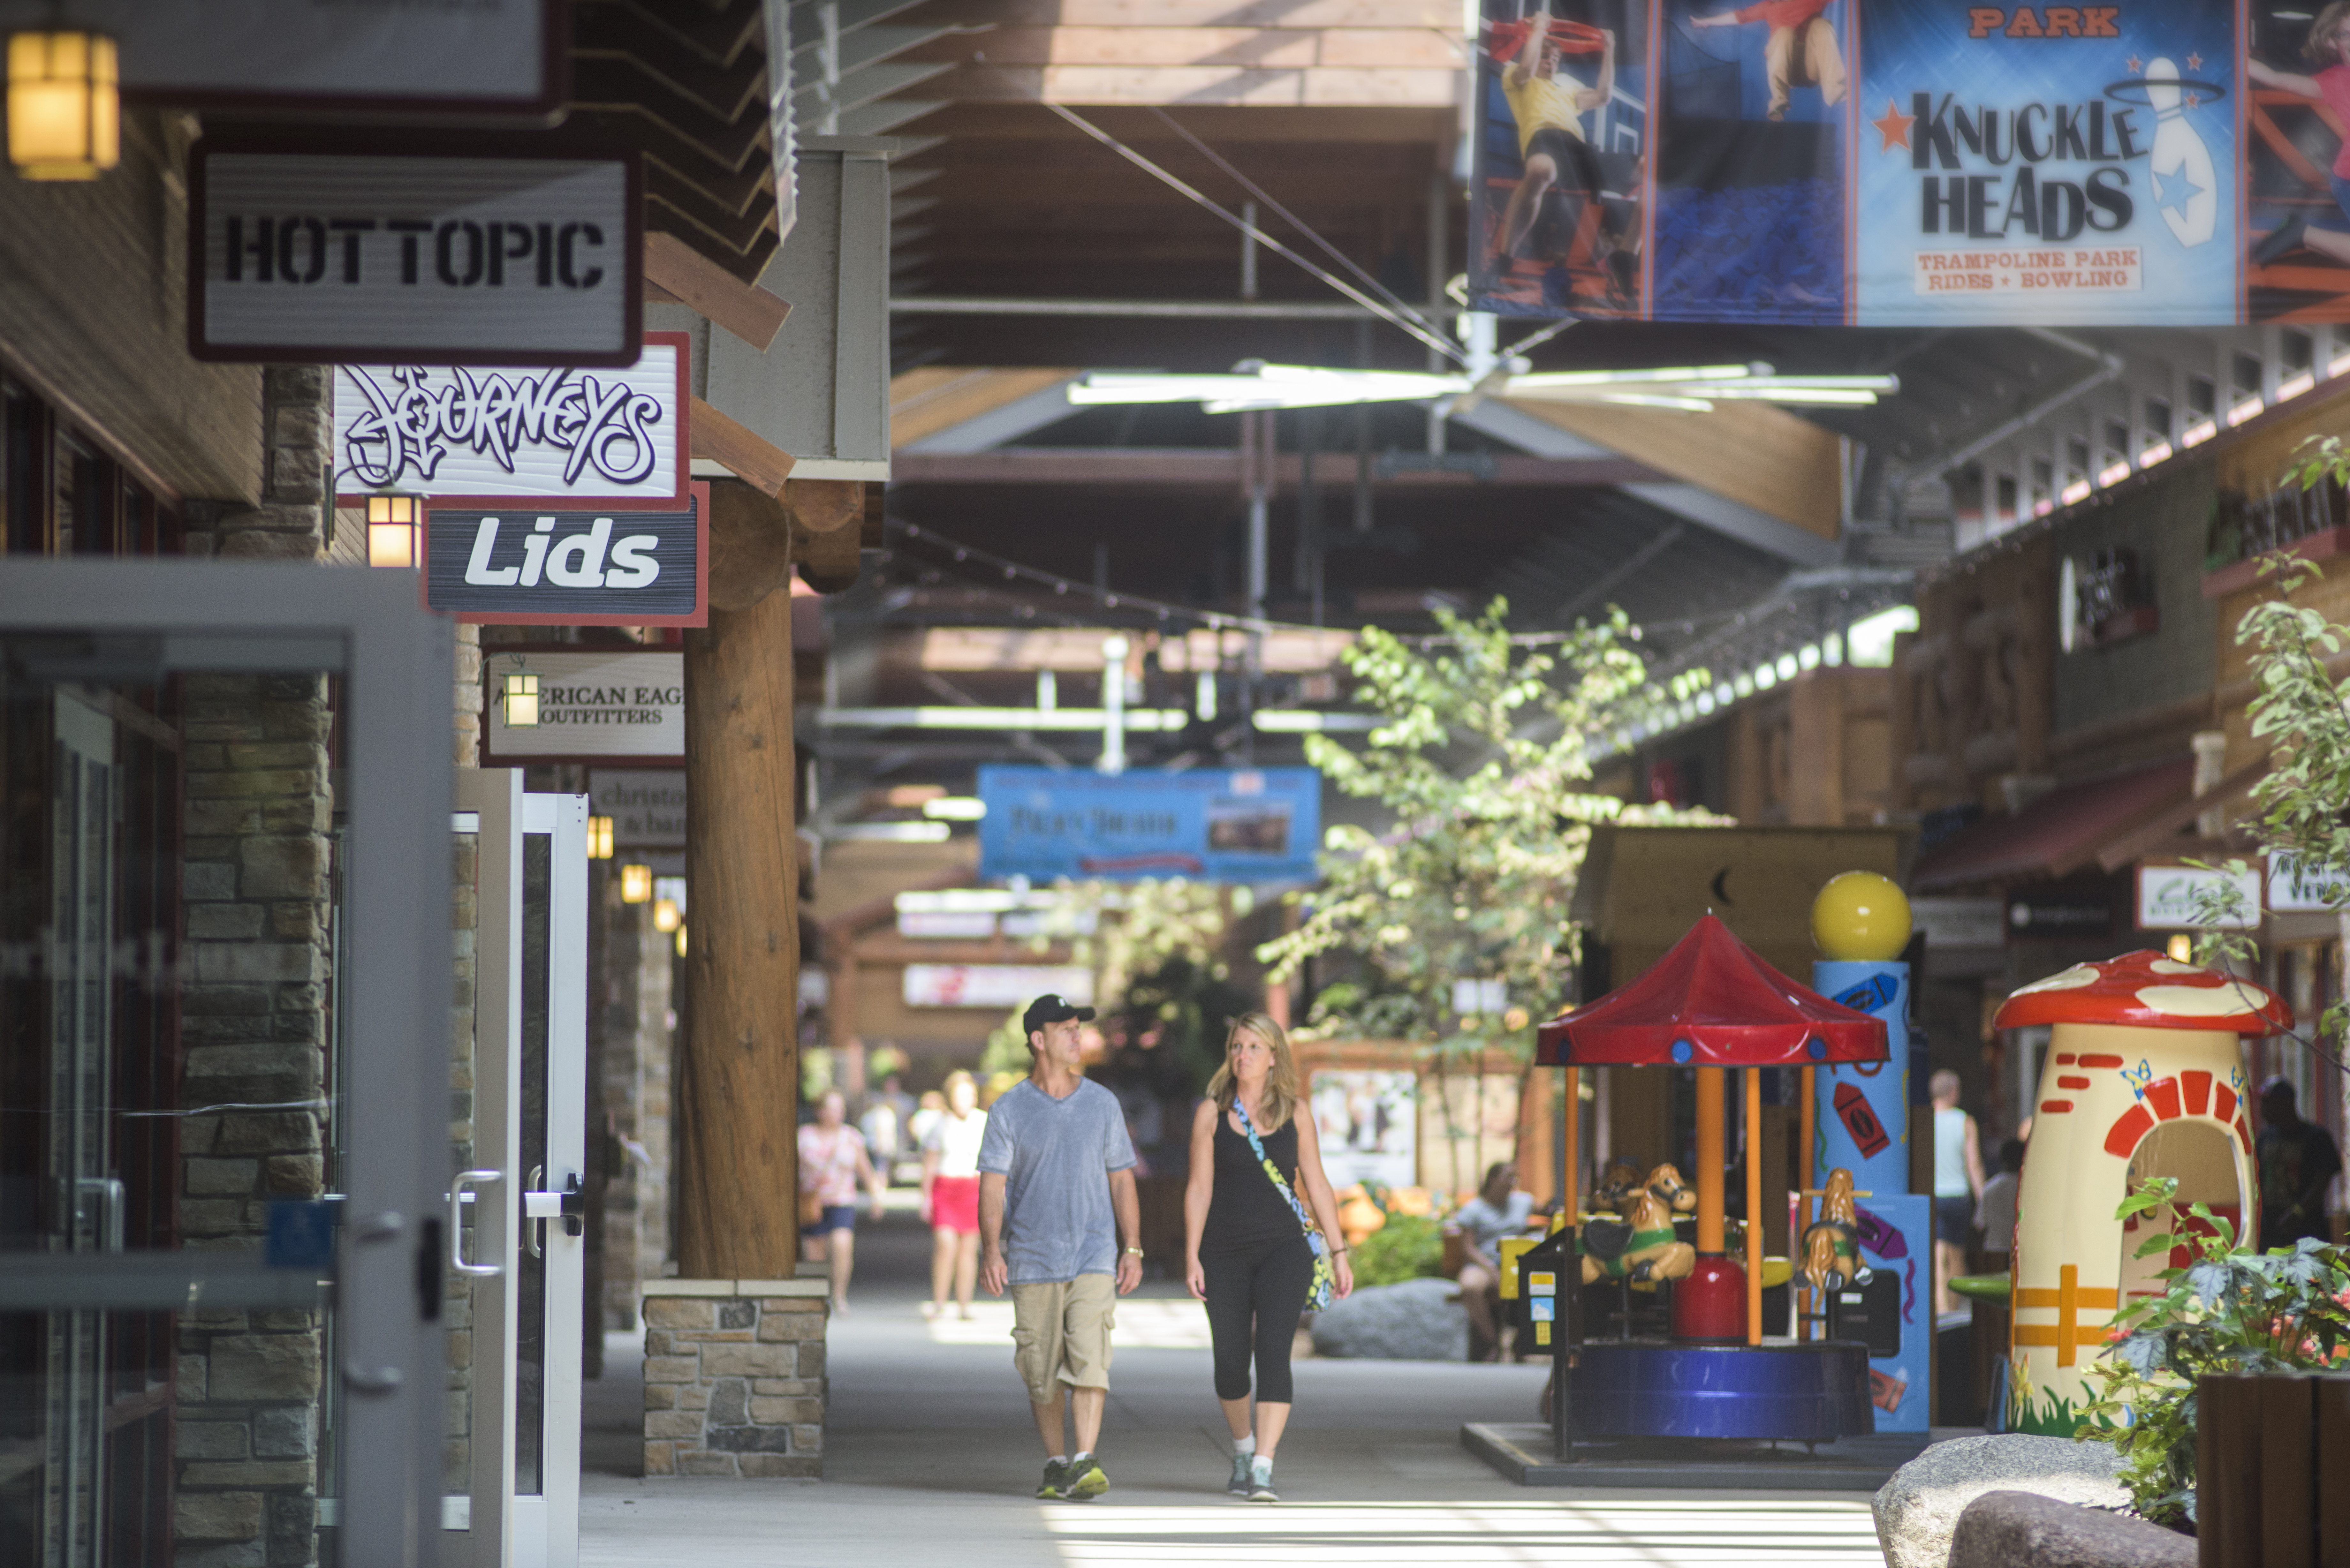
x: 931, y: 1459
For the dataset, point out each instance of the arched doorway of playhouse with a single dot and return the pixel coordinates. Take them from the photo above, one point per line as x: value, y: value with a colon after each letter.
x: 2202, y: 1157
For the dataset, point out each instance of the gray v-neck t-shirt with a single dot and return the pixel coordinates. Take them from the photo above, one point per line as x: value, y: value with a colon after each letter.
x: 1055, y: 1158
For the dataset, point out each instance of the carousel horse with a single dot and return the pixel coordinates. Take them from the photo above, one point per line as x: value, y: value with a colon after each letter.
x: 1615, y: 1188
x: 1640, y: 1248
x: 1831, y: 1247
x: 1665, y: 1185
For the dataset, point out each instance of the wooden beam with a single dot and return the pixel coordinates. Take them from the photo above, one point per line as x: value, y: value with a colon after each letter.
x: 685, y: 275
x: 1161, y: 47
x: 1764, y: 457
x: 750, y: 456
x: 1219, y: 468
x: 934, y: 398
x: 1222, y: 85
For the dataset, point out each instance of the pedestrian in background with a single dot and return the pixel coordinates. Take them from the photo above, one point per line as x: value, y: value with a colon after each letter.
x: 1958, y: 1183
x: 950, y: 1193
x: 1499, y: 1209
x: 2297, y: 1162
x: 1995, y: 1214
x: 833, y: 1163
x: 1258, y: 1214
x: 1061, y: 1228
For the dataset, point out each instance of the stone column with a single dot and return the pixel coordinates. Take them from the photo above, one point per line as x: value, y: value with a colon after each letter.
x: 735, y: 1378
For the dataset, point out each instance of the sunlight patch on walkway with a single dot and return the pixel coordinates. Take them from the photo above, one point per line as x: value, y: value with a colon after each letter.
x: 1665, y: 1534
x: 1143, y: 1323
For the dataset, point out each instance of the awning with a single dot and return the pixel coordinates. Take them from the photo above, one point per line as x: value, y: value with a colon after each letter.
x: 2065, y: 829
x: 1710, y: 1002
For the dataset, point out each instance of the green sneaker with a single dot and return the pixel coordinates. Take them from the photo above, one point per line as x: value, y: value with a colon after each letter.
x: 1056, y: 1485
x: 1239, y: 1485
x: 1088, y: 1479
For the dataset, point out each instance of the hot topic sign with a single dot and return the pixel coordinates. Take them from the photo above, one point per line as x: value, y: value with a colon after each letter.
x: 1895, y: 163
x: 524, y: 567
x: 1242, y: 824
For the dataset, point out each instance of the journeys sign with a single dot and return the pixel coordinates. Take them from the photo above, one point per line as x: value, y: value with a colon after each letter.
x: 591, y: 705
x: 502, y: 253
x: 603, y: 437
x: 528, y: 567
x: 1889, y: 163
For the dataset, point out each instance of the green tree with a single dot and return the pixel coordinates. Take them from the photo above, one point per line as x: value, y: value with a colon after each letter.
x: 1483, y: 758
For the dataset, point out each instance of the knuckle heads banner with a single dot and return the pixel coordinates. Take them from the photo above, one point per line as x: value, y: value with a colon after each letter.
x: 1901, y: 162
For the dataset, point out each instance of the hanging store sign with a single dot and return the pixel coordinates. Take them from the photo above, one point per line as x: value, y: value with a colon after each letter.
x: 504, y: 56
x: 2175, y: 897
x: 602, y: 438
x: 2295, y: 888
x: 528, y: 567
x: 1961, y: 922
x: 590, y: 706
x: 2054, y: 915
x: 1906, y: 163
x: 1239, y: 825
x: 994, y: 984
x: 647, y: 805
x: 496, y: 251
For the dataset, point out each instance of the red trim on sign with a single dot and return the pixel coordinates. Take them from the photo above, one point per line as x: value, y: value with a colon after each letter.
x: 697, y: 496
x: 2066, y: 1059
x: 2162, y: 1095
x: 2069, y: 1082
x: 2194, y: 1091
x: 2055, y: 1107
x: 2100, y: 1059
x: 2129, y: 1127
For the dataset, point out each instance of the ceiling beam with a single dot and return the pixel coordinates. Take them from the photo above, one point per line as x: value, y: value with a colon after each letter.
x: 1219, y: 468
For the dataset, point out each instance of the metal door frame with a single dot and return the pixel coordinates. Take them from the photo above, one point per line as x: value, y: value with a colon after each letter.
x: 397, y: 669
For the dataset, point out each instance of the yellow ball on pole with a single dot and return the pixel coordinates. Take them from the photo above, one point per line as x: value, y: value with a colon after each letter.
x: 1861, y: 917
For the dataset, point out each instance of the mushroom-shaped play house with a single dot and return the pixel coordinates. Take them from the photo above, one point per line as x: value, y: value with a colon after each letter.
x: 1714, y: 1004
x: 2144, y: 1078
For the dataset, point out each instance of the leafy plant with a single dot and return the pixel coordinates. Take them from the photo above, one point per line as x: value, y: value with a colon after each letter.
x: 1483, y: 760
x: 2227, y: 1310
x: 1408, y: 1247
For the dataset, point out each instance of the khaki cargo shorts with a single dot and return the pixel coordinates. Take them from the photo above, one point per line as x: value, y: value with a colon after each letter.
x: 1060, y: 1333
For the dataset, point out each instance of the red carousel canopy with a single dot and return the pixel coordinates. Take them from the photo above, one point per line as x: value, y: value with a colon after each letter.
x: 1710, y: 1002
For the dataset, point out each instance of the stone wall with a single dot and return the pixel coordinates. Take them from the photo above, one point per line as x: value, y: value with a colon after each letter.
x: 254, y: 1008
x: 735, y: 1378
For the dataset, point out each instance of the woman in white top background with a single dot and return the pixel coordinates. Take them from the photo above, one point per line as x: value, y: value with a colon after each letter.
x: 950, y: 1193
x: 1958, y: 1185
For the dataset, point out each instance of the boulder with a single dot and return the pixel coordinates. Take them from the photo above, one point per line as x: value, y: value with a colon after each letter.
x: 2022, y: 1530
x: 1918, y: 1509
x: 1419, y: 1320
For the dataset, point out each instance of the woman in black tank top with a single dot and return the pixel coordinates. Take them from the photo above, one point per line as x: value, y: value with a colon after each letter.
x: 1246, y: 1253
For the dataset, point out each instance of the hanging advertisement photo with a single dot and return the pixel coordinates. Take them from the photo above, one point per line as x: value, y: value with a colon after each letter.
x: 1896, y: 162
x: 1239, y: 825
x: 2172, y: 898
x: 483, y: 250
x: 528, y: 567
x: 598, y: 437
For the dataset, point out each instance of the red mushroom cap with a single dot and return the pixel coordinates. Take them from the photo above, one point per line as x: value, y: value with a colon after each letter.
x: 2146, y: 990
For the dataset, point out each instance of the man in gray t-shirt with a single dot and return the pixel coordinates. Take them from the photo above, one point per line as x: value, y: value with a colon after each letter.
x: 1060, y: 1225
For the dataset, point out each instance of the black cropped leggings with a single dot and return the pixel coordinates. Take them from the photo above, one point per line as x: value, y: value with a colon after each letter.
x: 1255, y: 1295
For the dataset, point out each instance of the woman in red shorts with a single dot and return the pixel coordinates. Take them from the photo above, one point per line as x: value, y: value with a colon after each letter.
x: 950, y: 1193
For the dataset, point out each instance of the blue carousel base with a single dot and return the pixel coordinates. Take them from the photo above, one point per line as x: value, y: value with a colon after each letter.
x: 1783, y: 1390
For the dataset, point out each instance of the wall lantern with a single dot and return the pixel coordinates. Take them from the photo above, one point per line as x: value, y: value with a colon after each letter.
x: 65, y: 106
x: 521, y: 697
x: 599, y: 838
x: 665, y: 916
x: 2182, y: 947
x: 390, y: 527
x: 680, y: 941
x: 636, y: 884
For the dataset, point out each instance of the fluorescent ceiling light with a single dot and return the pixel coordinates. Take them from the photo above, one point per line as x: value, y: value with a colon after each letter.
x: 955, y: 808
x: 1684, y: 388
x: 1306, y: 721
x: 1139, y: 719
x: 890, y: 832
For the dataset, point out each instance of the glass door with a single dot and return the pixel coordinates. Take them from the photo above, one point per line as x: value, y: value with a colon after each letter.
x: 526, y: 1249
x: 218, y: 1282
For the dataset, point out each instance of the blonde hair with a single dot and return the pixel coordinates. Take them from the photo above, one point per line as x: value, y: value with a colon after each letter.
x: 1282, y: 1089
x: 2321, y: 48
x: 954, y: 1080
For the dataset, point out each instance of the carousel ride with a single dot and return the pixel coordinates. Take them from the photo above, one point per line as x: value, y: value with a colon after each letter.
x: 1701, y: 1364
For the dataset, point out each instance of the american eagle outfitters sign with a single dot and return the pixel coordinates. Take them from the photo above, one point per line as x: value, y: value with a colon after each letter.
x: 591, y: 705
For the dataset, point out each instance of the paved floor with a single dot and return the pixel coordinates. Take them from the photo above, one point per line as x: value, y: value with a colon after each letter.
x: 931, y: 1459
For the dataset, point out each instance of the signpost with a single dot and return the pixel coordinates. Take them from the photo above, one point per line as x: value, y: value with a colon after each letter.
x: 600, y: 438
x: 647, y: 805
x: 522, y: 566
x: 590, y: 706
x: 1239, y: 825
x: 484, y: 250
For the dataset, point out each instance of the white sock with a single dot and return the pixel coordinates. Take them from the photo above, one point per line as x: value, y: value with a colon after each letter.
x: 1083, y: 1455
x: 1244, y: 1445
x: 1058, y: 1460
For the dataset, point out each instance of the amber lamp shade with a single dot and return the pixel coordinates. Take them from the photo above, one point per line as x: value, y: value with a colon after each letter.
x: 64, y: 104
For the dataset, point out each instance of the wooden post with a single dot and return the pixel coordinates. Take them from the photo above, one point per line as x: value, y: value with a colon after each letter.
x: 1571, y: 1152
x: 1808, y: 1132
x: 2288, y: 1490
x: 1709, y: 1171
x: 1753, y: 1091
x: 737, y: 1075
x: 2228, y: 1470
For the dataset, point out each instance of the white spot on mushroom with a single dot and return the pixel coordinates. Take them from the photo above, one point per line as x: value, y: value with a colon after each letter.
x: 2073, y: 979
x: 2199, y: 1000
x: 2166, y: 966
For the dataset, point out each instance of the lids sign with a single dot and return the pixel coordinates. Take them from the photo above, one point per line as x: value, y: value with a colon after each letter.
x: 524, y: 567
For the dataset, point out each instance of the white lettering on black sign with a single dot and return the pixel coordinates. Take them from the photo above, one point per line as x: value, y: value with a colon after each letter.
x: 621, y: 568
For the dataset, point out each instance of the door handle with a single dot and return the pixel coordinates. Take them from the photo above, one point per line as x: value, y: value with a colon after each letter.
x: 570, y: 1206
x: 456, y: 1217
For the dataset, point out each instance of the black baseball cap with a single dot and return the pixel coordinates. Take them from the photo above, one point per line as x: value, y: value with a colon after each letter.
x: 1051, y: 1008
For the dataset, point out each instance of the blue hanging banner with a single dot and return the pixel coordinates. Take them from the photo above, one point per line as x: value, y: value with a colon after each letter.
x: 1217, y: 825
x: 1890, y: 162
